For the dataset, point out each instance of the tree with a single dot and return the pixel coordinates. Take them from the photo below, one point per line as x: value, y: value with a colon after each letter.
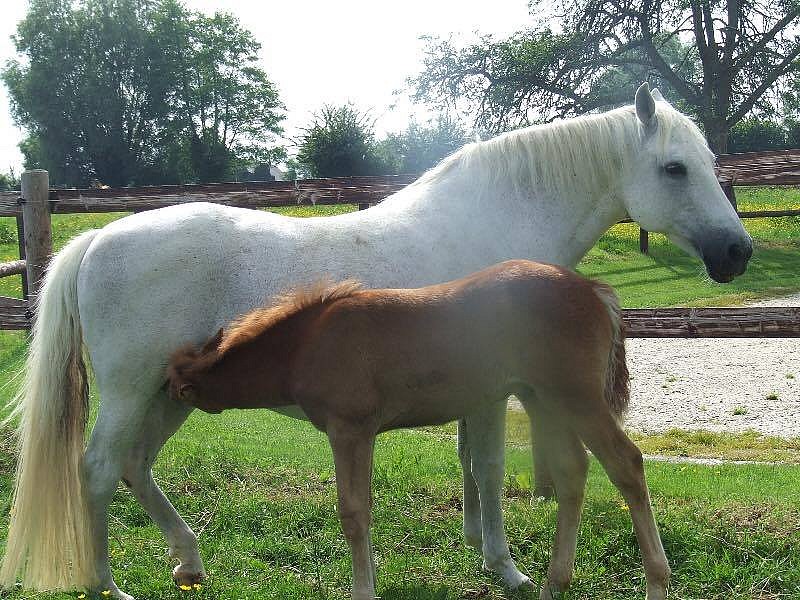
x: 9, y: 181
x: 420, y: 147
x: 138, y: 91
x: 719, y: 60
x: 340, y: 141
x: 753, y: 135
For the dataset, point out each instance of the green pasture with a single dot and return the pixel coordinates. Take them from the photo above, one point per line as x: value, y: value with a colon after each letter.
x: 259, y: 487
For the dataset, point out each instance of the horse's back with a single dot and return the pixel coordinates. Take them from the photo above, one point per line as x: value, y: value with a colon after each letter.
x: 154, y: 280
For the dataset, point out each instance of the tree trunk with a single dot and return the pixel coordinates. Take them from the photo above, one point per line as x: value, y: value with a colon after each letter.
x: 717, y: 135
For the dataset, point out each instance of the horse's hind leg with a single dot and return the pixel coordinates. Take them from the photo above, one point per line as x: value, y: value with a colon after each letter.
x: 487, y: 448
x: 471, y: 503
x: 116, y: 429
x: 163, y: 420
x: 622, y: 460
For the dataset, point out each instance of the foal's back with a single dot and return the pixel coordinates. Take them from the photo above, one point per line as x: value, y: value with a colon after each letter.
x: 396, y: 358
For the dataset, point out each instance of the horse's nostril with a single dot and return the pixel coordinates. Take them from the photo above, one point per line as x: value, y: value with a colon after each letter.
x: 736, y: 252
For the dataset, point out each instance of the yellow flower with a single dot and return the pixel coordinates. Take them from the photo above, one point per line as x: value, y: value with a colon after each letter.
x: 106, y: 592
x: 197, y: 586
x: 81, y: 596
x: 625, y: 507
x: 186, y: 588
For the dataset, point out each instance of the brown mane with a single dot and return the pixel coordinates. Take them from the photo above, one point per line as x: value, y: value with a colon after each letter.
x: 251, y: 325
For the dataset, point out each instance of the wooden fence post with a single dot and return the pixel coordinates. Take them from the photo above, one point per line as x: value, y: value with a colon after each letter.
x: 36, y: 225
x: 727, y: 188
x: 644, y: 241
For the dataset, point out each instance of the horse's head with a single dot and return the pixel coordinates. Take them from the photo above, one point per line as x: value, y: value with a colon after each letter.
x: 670, y: 187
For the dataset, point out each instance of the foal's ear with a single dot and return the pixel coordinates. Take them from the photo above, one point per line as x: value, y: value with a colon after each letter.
x: 645, y: 107
x: 185, y: 392
x: 213, y: 343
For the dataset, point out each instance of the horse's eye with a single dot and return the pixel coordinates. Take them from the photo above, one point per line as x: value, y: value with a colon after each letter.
x: 675, y: 169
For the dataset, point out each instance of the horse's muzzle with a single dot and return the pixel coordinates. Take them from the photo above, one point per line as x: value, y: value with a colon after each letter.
x: 726, y: 257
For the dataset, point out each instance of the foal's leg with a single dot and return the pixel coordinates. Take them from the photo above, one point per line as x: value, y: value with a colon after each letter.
x: 352, y: 456
x: 622, y: 460
x: 116, y: 430
x: 163, y: 420
x: 471, y: 503
x: 543, y: 486
x: 567, y: 461
x: 487, y: 446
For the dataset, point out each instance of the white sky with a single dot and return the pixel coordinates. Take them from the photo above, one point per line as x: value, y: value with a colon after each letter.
x: 325, y: 51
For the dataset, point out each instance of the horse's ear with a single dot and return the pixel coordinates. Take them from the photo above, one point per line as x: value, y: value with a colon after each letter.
x: 645, y: 107
x: 657, y: 95
x: 213, y: 343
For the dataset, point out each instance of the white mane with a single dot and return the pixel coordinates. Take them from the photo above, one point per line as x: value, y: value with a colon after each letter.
x: 585, y: 154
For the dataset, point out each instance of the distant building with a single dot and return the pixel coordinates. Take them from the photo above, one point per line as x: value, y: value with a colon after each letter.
x: 261, y: 172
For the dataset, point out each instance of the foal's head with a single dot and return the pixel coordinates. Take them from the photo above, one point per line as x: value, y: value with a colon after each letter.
x: 211, y: 378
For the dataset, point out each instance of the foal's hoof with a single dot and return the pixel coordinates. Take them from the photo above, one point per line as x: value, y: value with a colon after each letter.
x: 186, y: 577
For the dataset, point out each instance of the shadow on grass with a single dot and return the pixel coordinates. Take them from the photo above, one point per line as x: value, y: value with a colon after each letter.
x: 440, y: 592
x: 668, y: 277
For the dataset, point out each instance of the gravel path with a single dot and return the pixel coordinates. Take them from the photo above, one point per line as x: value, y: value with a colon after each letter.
x: 716, y: 384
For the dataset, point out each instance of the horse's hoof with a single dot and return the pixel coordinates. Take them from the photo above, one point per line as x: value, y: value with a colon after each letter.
x: 525, y: 583
x: 544, y: 493
x: 186, y: 577
x: 474, y: 541
x: 113, y: 591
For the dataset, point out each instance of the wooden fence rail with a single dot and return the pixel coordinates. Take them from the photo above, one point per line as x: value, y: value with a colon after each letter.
x: 33, y: 206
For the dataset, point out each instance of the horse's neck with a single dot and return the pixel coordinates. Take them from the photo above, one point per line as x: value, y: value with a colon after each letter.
x: 508, y: 223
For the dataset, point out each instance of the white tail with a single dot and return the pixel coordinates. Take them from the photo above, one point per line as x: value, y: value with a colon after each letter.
x: 49, y: 538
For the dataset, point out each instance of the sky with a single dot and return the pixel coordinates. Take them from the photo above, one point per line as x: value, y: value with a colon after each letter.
x: 318, y: 52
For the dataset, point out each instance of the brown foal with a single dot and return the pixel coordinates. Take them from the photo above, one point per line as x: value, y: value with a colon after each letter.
x: 360, y: 362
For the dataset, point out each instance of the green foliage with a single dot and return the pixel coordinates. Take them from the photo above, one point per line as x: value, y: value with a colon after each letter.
x: 420, y: 147
x: 9, y: 181
x: 340, y: 141
x: 792, y: 133
x: 753, y: 134
x: 718, y: 61
x: 132, y: 92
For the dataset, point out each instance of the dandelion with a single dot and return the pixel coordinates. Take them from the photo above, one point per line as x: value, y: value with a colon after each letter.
x: 106, y: 592
x: 625, y: 507
x: 81, y: 596
x: 186, y: 588
x: 197, y: 586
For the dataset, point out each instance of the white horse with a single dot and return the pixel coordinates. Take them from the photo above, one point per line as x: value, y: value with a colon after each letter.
x: 140, y: 287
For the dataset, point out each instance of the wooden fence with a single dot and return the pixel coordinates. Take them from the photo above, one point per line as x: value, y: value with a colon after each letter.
x: 35, y: 203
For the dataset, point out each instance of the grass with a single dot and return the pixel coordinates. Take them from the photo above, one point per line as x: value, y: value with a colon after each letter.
x: 267, y: 516
x: 259, y: 487
x: 668, y: 277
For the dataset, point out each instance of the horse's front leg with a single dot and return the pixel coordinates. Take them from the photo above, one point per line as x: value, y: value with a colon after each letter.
x: 471, y: 500
x: 352, y: 457
x: 487, y: 448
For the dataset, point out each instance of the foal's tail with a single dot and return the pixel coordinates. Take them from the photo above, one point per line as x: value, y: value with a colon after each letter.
x: 49, y: 537
x: 617, y: 390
